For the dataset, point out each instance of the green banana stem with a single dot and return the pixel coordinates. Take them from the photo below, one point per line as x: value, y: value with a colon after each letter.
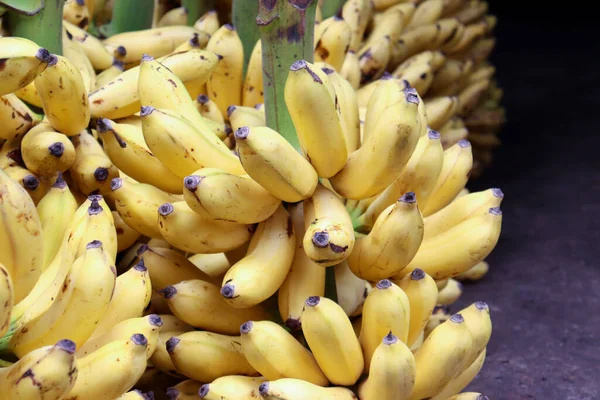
x: 130, y: 15
x: 244, y: 14
x: 329, y: 8
x: 197, y: 8
x: 43, y: 28
x: 287, y: 33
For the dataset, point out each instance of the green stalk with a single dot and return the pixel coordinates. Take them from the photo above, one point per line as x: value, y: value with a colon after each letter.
x: 197, y: 8
x: 244, y: 14
x: 330, y: 8
x: 44, y: 27
x: 287, y: 33
x: 130, y: 15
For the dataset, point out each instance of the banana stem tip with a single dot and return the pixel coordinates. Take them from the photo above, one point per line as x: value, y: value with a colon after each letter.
x: 66, y: 345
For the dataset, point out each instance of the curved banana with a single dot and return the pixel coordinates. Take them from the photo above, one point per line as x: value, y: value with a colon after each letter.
x: 183, y: 228
x: 224, y: 196
x: 74, y: 53
x: 16, y: 117
x: 185, y: 390
x: 29, y: 95
x: 208, y: 22
x: 469, y: 396
x: 259, y: 274
x: 274, y: 163
x: 136, y: 394
x: 351, y: 69
x: 330, y: 336
x: 6, y: 299
x: 35, y: 186
x: 45, y: 151
x: 22, y: 62
x: 311, y: 102
x: 171, y: 326
x: 357, y: 14
x: 77, y: 13
x: 348, y: 105
x: 374, y: 58
x: 439, y: 110
x: 231, y: 387
x: 422, y: 293
x: 176, y: 16
x: 109, y: 74
x: 297, y: 389
x: 427, y: 12
x: 479, y: 324
x: 392, y: 243
x: 64, y: 96
x: 93, y: 48
x: 450, y: 293
x: 392, y: 371
x: 214, y: 265
x: 475, y: 273
x: 206, y: 356
x: 276, y: 354
x: 461, y: 381
x: 252, y: 90
x: 351, y: 290
x: 333, y: 43
x: 245, y: 116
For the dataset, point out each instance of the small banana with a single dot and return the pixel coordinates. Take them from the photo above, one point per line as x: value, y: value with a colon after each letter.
x: 333, y: 43
x: 245, y: 116
x: 98, y: 55
x: 77, y: 13
x: 357, y: 13
x: 22, y: 61
x: 427, y: 12
x: 450, y: 293
x: 45, y: 151
x: 439, y: 110
x: 75, y: 54
x: 208, y: 109
x: 252, y: 90
x: 351, y: 290
x: 374, y: 58
x: 208, y: 22
x: 214, y: 265
x: 176, y: 16
x: 475, y: 273
x: 351, y: 69
x: 461, y: 381
x: 231, y: 387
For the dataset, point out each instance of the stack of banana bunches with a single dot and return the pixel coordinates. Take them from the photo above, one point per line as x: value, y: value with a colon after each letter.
x: 157, y: 240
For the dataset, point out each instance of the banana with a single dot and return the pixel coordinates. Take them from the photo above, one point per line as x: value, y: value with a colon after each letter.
x: 16, y: 117
x: 21, y: 236
x: 225, y: 84
x: 471, y: 33
x: 390, y: 24
x: 357, y: 14
x: 92, y: 169
x: 183, y: 148
x: 392, y: 243
x: 330, y: 336
x: 156, y: 42
x: 206, y: 356
x: 36, y: 188
x: 383, y: 154
x: 227, y: 197
x: 245, y: 116
x: 126, y: 235
x: 276, y: 354
x: 439, y: 315
x: 29, y: 95
x: 185, y: 390
x: 418, y: 73
x: 130, y: 298
x: 274, y: 163
x: 22, y: 61
x: 160, y: 358
x: 419, y: 175
x: 232, y: 387
x: 450, y: 31
x: 120, y: 98
x: 439, y: 110
x: 252, y: 89
x: 374, y: 58
x: 445, y: 79
x: 183, y: 228
x: 64, y: 96
x: 461, y: 381
x: 386, y: 309
x: 392, y: 371
x: 74, y: 53
x: 98, y: 55
x: 259, y: 274
x: 149, y: 326
x: 109, y: 74
x: 422, y: 293
x: 377, y: 96
x: 6, y: 299
x: 350, y: 288
x: 329, y: 236
x: 426, y: 13
x: 137, y: 203
x: 297, y: 389
x: 78, y: 308
x: 110, y: 371
x: 312, y: 103
x: 306, y: 278
x: 479, y: 324
x: 47, y: 372
x: 208, y: 22
x: 452, y: 178
x: 56, y: 210
x: 214, y: 265
x: 125, y: 146
x: 193, y: 43
x: 333, y: 43
x: 208, y: 109
x: 444, y: 352
x: 348, y: 108
x: 45, y: 151
x: 77, y: 13
x: 200, y: 304
x: 475, y: 273
x: 450, y: 293
x: 176, y: 16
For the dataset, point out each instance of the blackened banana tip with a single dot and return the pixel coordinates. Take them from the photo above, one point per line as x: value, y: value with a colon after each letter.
x: 496, y: 211
x: 80, y: 2
x: 172, y: 344
x: 203, y: 391
x: 52, y: 60
x: 191, y: 182
x: 139, y: 339
x: 147, y: 57
x: 390, y: 339
x: 202, y: 99
x: 31, y: 182
x: 383, y: 284
x: 298, y: 65
x: 95, y: 207
x: 116, y: 183
x: 155, y: 320
x: 60, y: 181
x: 433, y: 135
x: 95, y: 196
x: 263, y: 389
x: 386, y: 76
x: 312, y: 301
x: 118, y: 64
x: 293, y: 323
x: 168, y: 292
x: 246, y: 327
x: 242, y: 132
x: 464, y: 143
x: 412, y: 98
x: 320, y: 239
x: 140, y: 266
x: 408, y: 197
x: 481, y: 305
x: 43, y: 55
x: 229, y: 27
x: 172, y: 393
x: 103, y: 125
x: 56, y: 149
x: 141, y: 249
x: 230, y: 110
x: 457, y: 318
x: 101, y: 174
x: 146, y: 110
x: 482, y: 397
x: 94, y: 244
x: 417, y: 274
x: 166, y: 209
x: 67, y: 345
x: 497, y: 192
x: 328, y: 71
x: 228, y: 291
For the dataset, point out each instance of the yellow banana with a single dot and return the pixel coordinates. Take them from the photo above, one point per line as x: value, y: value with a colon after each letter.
x: 126, y: 235
x: 136, y: 394
x: 22, y: 61
x: 357, y: 14
x: 29, y: 95
x: 223, y: 196
x: 171, y: 326
x: 373, y: 59
x: 110, y: 371
x: 75, y: 54
x: 427, y: 12
x: 412, y: 42
x: 206, y: 356
x: 15, y: 117
x: 64, y: 96
x: 225, y: 84
x: 306, y: 278
x: 252, y: 90
x: 386, y: 309
x: 297, y: 389
x: 92, y: 169
x: 439, y: 110
x: 214, y: 265
x: 329, y: 236
x: 195, y: 42
x: 21, y: 236
x: 311, y: 100
x: 208, y: 109
x: 176, y: 16
x: 333, y: 43
x: 453, y: 176
x: 98, y: 55
x: 351, y: 69
x: 6, y: 299
x: 392, y: 243
x: 422, y: 293
x: 469, y: 396
x: 417, y: 72
x: 391, y: 24
x: 383, y: 154
x: 276, y: 354
x: 77, y: 13
x: 185, y: 390
x: 351, y: 290
x: 479, y: 324
x: 109, y: 74
x: 232, y: 387
x: 475, y: 273
x: 200, y: 304
x: 392, y: 371
x: 259, y: 274
x: 329, y: 334
x: 450, y: 293
x: 450, y: 31
x: 245, y: 116
x: 348, y: 108
x: 446, y: 77
x: 274, y: 163
x: 183, y: 228
x: 461, y: 381
x: 45, y: 151
x: 208, y: 22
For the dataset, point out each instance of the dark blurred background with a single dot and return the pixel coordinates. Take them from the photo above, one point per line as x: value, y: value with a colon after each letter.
x: 543, y: 287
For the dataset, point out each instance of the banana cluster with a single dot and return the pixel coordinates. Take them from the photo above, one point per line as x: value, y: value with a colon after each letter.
x: 157, y: 236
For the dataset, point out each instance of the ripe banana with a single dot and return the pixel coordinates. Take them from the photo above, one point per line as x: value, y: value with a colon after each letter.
x: 208, y: 22
x: 231, y: 387
x: 126, y: 235
x: 374, y: 59
x: 329, y: 334
x: 439, y: 110
x: 259, y: 274
x: 333, y: 42
x: 200, y: 304
x: 479, y: 324
x: 185, y: 390
x: 92, y: 169
x: 351, y: 290
x: 160, y: 359
x: 77, y: 13
x: 208, y: 109
x: 297, y: 389
x: 357, y: 13
x: 214, y: 265
x: 176, y: 16
x: 245, y: 116
x: 274, y: 163
x: 74, y: 53
x: 475, y: 273
x: 461, y: 381
x: 22, y: 61
x: 276, y: 354
x: 16, y: 117
x: 351, y: 70
x: 450, y: 293
x: 45, y: 151
x: 252, y: 90
x: 98, y: 55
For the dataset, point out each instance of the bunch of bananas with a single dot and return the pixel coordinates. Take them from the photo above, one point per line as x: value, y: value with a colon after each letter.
x: 157, y: 237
